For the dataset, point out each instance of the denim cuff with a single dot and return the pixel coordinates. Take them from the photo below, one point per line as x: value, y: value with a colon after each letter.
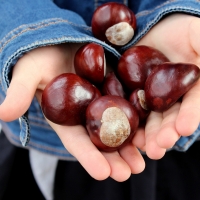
x: 184, y: 143
x: 148, y: 18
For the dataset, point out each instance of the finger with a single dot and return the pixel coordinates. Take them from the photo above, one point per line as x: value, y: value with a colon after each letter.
x: 133, y: 158
x: 168, y: 135
x: 20, y: 92
x: 189, y: 115
x: 194, y: 30
x: 153, y: 150
x: 120, y: 170
x: 77, y: 142
x: 139, y: 138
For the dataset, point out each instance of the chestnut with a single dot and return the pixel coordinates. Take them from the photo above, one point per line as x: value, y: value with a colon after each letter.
x: 89, y: 63
x: 138, y: 100
x: 112, y: 86
x: 66, y: 97
x: 113, y: 23
x: 167, y: 83
x: 136, y: 64
x: 111, y: 122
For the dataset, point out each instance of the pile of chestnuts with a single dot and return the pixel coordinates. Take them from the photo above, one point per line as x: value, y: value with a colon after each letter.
x: 111, y: 104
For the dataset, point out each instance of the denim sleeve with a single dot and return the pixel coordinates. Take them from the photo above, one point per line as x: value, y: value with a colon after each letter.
x: 25, y: 25
x: 148, y: 14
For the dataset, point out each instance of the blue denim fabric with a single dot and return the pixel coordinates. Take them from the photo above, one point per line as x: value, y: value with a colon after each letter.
x: 25, y: 25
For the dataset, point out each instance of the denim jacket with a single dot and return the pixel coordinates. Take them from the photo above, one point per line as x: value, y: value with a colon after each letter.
x: 25, y: 25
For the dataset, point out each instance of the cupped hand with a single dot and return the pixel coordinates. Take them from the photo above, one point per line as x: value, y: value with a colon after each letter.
x: 30, y: 75
x: 177, y: 36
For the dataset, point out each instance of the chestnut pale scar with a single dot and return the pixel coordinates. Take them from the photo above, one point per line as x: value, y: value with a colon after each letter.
x: 115, y: 127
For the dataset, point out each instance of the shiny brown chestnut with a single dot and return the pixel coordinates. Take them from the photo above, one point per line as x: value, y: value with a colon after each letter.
x: 138, y: 100
x: 111, y: 122
x: 137, y: 63
x: 167, y: 83
x: 113, y: 23
x: 66, y: 97
x: 89, y: 63
x: 112, y: 86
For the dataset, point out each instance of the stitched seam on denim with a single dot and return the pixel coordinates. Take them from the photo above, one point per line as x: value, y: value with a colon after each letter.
x: 47, y: 42
x: 26, y: 136
x: 150, y: 24
x: 146, y: 12
x: 41, y: 25
x: 21, y: 27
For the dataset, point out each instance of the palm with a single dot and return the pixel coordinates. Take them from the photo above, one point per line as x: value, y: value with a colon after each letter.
x: 177, y: 37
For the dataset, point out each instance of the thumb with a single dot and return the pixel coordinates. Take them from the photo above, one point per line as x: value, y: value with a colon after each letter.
x: 20, y: 92
x: 16, y: 103
x: 194, y: 31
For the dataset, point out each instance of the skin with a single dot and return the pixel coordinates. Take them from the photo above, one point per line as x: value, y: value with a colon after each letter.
x: 177, y: 36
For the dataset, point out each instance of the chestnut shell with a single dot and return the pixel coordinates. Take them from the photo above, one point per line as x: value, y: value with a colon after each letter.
x: 66, y: 97
x: 138, y: 100
x: 89, y: 63
x: 136, y: 64
x: 112, y: 86
x: 108, y: 15
x: 94, y: 114
x: 167, y: 83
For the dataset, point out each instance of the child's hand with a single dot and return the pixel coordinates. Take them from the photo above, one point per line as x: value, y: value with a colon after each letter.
x: 30, y: 76
x: 177, y: 36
